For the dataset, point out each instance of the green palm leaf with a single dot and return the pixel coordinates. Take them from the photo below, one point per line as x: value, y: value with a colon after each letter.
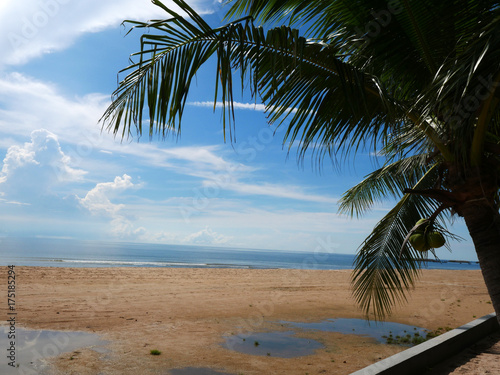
x: 388, y: 181
x: 382, y: 272
x: 328, y: 101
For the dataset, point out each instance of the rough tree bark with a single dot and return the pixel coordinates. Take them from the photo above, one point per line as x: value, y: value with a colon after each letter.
x: 483, y: 223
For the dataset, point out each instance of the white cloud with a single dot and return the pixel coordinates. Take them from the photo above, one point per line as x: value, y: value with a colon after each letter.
x: 31, y: 104
x: 275, y: 190
x: 206, y: 237
x: 217, y: 173
x: 204, y: 157
x: 124, y: 229
x: 14, y: 202
x: 30, y: 28
x: 98, y: 200
x: 236, y: 105
x: 28, y: 104
x: 32, y: 169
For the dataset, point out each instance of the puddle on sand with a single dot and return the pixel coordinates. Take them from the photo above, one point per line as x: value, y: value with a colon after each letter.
x: 31, y: 347
x: 274, y: 344
x: 196, y: 371
x: 380, y: 331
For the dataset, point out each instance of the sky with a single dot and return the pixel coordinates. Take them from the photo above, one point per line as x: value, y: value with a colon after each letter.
x: 63, y: 176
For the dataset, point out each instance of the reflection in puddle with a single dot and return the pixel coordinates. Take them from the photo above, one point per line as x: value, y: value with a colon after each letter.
x: 380, y: 331
x: 287, y: 345
x: 31, y: 347
x: 196, y: 371
x: 275, y: 344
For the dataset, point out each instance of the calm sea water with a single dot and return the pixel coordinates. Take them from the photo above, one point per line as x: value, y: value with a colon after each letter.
x: 76, y: 253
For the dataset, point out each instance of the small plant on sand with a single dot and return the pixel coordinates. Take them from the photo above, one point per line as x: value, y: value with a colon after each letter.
x: 438, y: 332
x: 155, y: 352
x: 408, y: 339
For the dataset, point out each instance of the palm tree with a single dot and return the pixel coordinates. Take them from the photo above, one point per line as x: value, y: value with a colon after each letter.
x: 414, y: 80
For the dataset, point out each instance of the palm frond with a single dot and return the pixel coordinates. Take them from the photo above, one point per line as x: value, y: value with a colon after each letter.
x: 425, y: 31
x: 389, y: 181
x: 326, y: 100
x: 328, y: 103
x: 382, y: 272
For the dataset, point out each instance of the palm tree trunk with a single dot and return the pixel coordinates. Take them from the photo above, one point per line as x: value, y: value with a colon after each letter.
x: 483, y: 222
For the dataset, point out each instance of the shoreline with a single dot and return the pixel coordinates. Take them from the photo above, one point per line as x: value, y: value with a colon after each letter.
x: 186, y: 312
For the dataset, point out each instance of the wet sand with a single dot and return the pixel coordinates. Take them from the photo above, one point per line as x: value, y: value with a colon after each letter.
x: 185, y: 314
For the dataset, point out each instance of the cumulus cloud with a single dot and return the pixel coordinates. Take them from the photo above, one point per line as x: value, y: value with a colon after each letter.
x: 124, y: 229
x: 30, y: 28
x: 33, y: 169
x: 97, y: 200
x: 206, y: 237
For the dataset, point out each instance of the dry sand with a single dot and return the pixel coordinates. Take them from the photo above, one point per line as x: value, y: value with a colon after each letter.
x: 185, y: 313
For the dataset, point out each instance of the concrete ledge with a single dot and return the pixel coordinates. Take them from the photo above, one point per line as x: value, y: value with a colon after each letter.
x: 419, y: 358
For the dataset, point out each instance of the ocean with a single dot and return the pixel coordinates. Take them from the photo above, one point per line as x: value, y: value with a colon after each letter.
x: 78, y: 253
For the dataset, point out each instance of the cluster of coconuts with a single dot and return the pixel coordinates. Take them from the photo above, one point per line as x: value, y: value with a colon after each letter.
x: 425, y: 237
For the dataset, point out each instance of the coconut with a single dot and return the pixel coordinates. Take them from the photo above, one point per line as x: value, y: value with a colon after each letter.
x: 435, y: 239
x: 421, y: 226
x: 419, y: 242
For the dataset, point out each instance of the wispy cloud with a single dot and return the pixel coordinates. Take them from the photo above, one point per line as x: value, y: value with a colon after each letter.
x: 215, y: 171
x: 31, y: 104
x: 31, y: 28
x: 14, y: 202
x: 236, y: 105
x: 270, y: 190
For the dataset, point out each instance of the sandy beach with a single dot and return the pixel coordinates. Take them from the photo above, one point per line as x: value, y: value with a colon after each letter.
x: 186, y: 313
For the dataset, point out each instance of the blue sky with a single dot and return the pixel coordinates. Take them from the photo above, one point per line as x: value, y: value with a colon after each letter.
x: 60, y: 176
